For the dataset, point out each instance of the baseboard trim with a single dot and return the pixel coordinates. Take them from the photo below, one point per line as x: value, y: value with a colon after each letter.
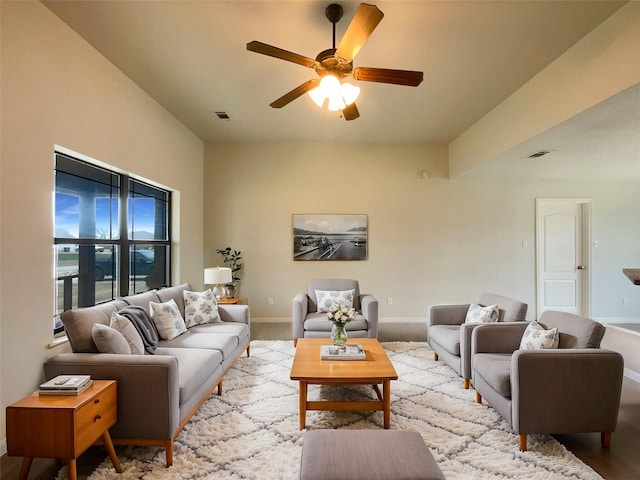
x: 631, y: 375
x: 3, y: 446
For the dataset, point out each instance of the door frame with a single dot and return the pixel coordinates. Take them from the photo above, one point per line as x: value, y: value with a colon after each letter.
x: 585, y: 203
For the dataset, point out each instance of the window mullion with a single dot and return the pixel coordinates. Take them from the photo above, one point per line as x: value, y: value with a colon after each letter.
x: 123, y: 221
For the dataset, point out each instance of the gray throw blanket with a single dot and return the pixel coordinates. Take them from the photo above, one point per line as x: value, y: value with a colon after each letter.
x: 143, y: 323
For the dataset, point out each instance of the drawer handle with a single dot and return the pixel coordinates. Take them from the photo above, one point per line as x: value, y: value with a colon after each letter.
x: 97, y: 400
x: 96, y: 418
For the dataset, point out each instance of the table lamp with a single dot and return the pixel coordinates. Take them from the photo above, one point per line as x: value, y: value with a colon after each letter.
x: 218, y: 276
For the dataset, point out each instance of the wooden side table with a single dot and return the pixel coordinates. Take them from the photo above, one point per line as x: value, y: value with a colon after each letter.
x: 62, y: 427
x: 229, y: 301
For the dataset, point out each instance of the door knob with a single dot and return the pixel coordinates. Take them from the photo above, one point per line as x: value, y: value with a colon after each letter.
x: 580, y: 267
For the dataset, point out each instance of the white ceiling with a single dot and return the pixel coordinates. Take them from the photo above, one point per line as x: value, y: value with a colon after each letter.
x: 191, y: 57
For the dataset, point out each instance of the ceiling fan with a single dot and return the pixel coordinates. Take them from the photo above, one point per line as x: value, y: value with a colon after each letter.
x: 337, y: 63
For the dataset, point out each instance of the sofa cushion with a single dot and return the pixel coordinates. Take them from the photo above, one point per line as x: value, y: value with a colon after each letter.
x: 141, y: 320
x: 535, y: 337
x: 495, y: 368
x: 78, y: 323
x: 574, y: 331
x: 479, y: 314
x: 194, y: 368
x: 142, y: 299
x: 239, y: 330
x: 175, y: 294
x: 223, y: 342
x: 125, y: 327
x: 447, y: 336
x: 109, y: 340
x: 319, y: 322
x: 199, y: 308
x: 167, y: 319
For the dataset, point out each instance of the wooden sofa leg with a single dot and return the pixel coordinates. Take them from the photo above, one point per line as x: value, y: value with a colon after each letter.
x: 466, y: 383
x: 522, y: 442
x: 295, y: 342
x: 248, y: 350
x: 168, y: 448
x: 435, y: 356
x: 605, y: 439
x: 220, y: 387
x: 478, y: 397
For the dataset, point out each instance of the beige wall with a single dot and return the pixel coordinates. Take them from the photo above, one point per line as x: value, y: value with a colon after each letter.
x: 57, y: 90
x: 430, y: 241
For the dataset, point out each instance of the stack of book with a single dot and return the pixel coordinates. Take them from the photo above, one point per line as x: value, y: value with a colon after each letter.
x: 66, y: 385
x: 348, y: 352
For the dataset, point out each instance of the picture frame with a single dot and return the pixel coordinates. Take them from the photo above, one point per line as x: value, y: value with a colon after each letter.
x: 330, y: 237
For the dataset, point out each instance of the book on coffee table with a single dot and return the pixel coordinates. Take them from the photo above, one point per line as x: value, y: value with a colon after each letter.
x: 348, y: 352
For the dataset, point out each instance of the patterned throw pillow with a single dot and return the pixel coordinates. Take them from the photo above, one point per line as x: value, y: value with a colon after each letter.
x: 167, y: 318
x: 200, y: 307
x: 329, y: 298
x: 109, y: 340
x: 125, y: 327
x: 536, y: 337
x: 480, y: 314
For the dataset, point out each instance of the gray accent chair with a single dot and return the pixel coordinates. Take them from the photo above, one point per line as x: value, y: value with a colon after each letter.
x: 450, y: 338
x: 307, y: 322
x: 572, y: 389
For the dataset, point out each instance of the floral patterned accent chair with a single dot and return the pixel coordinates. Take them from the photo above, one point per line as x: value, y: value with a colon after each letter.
x: 310, y: 310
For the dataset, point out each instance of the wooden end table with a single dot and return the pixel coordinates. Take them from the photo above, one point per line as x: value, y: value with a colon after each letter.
x: 377, y: 369
x: 62, y: 426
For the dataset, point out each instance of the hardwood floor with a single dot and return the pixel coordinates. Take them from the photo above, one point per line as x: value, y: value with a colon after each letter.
x: 619, y: 462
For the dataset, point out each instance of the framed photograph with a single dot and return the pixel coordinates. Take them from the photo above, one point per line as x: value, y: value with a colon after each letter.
x: 329, y: 237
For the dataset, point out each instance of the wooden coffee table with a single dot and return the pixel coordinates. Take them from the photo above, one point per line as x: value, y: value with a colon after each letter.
x: 376, y: 369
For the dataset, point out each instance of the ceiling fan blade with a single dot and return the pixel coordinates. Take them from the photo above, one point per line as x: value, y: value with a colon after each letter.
x: 408, y: 78
x: 271, y: 51
x: 295, y: 93
x: 364, y: 22
x: 350, y: 112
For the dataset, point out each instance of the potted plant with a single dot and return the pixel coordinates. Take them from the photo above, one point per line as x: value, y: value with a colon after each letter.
x: 232, y: 259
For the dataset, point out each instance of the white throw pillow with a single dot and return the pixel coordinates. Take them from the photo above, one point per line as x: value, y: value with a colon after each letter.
x: 536, y: 337
x: 330, y: 298
x: 109, y: 340
x: 123, y: 325
x: 200, y: 307
x: 167, y: 319
x: 480, y: 314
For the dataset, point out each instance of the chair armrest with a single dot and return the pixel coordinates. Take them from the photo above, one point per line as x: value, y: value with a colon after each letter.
x: 500, y: 337
x: 466, y: 334
x: 235, y: 313
x: 566, y: 390
x: 369, y: 306
x: 299, y: 310
x: 448, y: 314
x: 148, y: 396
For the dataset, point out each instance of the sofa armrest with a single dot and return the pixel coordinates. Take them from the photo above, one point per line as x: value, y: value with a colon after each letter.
x: 448, y: 314
x: 235, y: 313
x: 369, y: 306
x: 148, y: 389
x: 566, y: 390
x: 502, y: 337
x: 299, y: 311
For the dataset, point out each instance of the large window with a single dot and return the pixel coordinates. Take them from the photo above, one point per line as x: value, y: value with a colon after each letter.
x: 111, y: 234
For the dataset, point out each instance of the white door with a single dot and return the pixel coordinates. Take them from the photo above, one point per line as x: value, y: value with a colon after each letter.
x: 563, y: 253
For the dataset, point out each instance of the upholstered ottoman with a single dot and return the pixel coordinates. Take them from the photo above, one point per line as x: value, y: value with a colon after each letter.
x: 366, y: 455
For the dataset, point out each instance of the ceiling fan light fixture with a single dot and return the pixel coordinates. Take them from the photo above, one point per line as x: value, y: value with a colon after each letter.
x: 335, y: 94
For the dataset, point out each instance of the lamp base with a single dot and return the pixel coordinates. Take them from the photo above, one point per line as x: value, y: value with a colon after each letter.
x: 219, y: 292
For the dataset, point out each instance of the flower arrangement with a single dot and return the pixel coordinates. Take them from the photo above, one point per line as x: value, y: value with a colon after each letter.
x: 340, y: 315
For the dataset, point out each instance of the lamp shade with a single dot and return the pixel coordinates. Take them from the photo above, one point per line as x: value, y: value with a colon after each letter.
x: 217, y: 276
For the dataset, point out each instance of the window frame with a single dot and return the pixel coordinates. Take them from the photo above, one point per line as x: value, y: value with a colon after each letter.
x: 122, y: 285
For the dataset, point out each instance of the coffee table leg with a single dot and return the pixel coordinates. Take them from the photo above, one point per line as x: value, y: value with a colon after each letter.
x: 303, y: 404
x: 386, y: 399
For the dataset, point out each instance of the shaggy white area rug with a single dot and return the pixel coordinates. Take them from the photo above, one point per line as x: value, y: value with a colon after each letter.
x: 252, y: 430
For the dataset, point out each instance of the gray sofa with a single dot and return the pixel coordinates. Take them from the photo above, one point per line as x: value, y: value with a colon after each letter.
x: 570, y: 389
x: 450, y: 337
x: 157, y: 393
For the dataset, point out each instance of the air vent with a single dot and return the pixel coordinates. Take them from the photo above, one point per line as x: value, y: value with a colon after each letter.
x: 538, y: 154
x: 223, y: 115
